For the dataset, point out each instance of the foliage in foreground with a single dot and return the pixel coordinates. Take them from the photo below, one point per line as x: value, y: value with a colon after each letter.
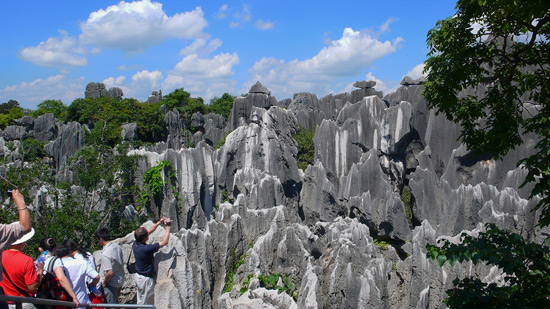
x: 508, y: 52
x: 526, y: 268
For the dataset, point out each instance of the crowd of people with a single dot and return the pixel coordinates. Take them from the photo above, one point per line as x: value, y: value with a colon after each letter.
x: 67, y: 272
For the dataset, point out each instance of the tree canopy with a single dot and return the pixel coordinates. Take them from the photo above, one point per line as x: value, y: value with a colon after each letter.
x: 505, y: 46
x: 489, y: 71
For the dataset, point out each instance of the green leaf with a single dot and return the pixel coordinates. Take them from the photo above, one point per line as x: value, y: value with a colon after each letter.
x: 441, y: 260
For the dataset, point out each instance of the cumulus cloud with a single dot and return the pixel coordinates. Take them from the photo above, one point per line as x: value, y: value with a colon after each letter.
x: 264, y: 25
x: 201, y: 47
x: 416, y: 72
x: 134, y: 26
x: 205, y: 77
x: 147, y: 78
x: 343, y: 58
x: 59, y: 52
x: 114, y: 82
x: 57, y: 87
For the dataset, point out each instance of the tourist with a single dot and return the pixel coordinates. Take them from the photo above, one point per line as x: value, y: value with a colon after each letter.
x: 54, y: 269
x: 21, y: 277
x: 11, y: 232
x: 80, y: 272
x: 143, y: 253
x: 112, y: 266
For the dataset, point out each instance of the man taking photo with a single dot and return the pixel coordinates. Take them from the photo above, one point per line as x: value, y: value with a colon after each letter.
x: 143, y: 252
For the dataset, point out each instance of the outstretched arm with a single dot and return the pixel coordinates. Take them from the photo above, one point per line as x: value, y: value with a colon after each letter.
x: 166, y: 237
x: 154, y: 227
x: 24, y: 216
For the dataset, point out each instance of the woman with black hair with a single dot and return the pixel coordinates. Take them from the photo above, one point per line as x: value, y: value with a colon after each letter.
x: 80, y: 272
x: 55, y: 274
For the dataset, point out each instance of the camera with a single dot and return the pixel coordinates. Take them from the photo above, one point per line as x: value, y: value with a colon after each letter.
x: 10, y: 193
x: 166, y: 222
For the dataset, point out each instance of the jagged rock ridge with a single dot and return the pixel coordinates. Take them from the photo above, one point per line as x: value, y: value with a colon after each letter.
x: 338, y: 229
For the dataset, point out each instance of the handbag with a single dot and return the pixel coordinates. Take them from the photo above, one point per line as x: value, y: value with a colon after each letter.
x: 131, y: 267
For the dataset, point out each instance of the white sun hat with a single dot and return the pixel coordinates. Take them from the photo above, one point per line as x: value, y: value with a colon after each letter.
x: 25, y: 237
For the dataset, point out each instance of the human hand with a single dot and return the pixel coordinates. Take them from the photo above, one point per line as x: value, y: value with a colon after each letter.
x: 39, y: 266
x: 76, y: 302
x: 18, y: 198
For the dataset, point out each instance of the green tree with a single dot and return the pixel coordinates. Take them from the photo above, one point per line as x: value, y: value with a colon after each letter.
x: 509, y: 53
x: 222, y: 106
x: 503, y: 45
x: 306, y: 147
x: 7, y: 118
x: 6, y: 106
x: 525, y: 266
x: 56, y: 107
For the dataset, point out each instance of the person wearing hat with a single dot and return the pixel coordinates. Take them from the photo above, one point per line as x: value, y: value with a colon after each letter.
x: 21, y: 277
x: 12, y: 232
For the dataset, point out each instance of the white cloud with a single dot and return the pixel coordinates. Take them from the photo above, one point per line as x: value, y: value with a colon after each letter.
x: 57, y: 87
x: 244, y: 15
x: 201, y: 47
x: 222, y: 11
x: 343, y: 58
x: 134, y: 26
x: 205, y: 77
x: 132, y: 67
x: 386, y: 25
x: 147, y: 78
x: 264, y: 25
x: 416, y: 72
x: 114, y: 82
x: 234, y: 24
x: 59, y: 52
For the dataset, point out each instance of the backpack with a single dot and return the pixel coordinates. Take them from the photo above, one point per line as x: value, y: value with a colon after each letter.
x: 50, y: 286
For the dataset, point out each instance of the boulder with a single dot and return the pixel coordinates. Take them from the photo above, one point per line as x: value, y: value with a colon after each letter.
x: 115, y: 92
x: 95, y: 90
x: 364, y: 84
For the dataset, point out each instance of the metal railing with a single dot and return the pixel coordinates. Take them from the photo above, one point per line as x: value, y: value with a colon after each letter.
x: 51, y: 302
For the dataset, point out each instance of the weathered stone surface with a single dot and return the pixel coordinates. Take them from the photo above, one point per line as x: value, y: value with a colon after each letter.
x: 45, y: 128
x: 265, y: 144
x: 95, y: 90
x: 258, y: 88
x: 155, y: 97
x: 129, y: 131
x: 210, y: 128
x: 174, y: 125
x: 242, y: 107
x: 115, y: 92
x: 68, y: 143
x: 338, y: 229
x: 364, y: 84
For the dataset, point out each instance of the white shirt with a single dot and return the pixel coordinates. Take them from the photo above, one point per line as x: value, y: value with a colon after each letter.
x: 78, y: 272
x: 89, y: 260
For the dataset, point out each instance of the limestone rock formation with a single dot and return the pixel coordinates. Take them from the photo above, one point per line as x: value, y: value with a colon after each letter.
x: 339, y: 233
x: 155, y: 97
x: 95, y: 90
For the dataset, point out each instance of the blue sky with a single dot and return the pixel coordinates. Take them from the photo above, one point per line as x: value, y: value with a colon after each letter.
x: 52, y: 49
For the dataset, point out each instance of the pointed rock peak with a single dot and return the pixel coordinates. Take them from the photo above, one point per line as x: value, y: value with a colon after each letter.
x: 364, y: 84
x: 258, y: 88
